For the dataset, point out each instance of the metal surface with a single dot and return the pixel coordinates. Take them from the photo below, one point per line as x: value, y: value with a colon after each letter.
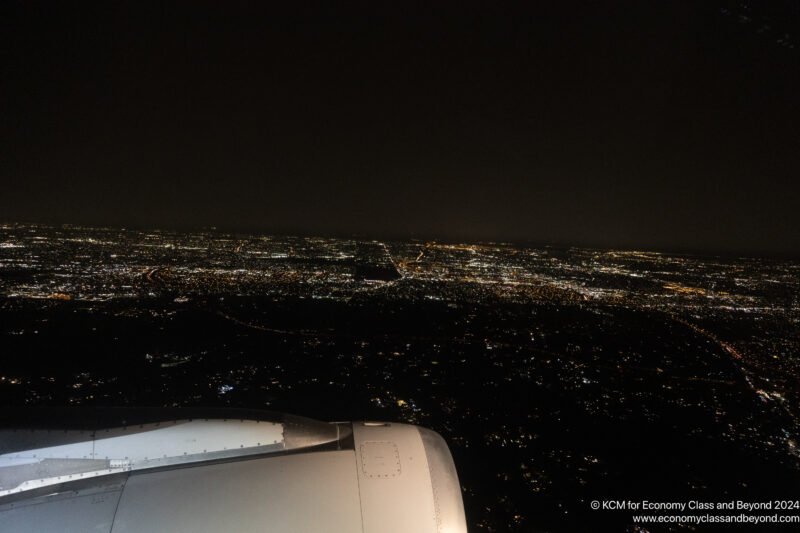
x: 123, y: 449
x: 283, y: 475
x: 394, y: 481
x: 447, y: 499
x: 74, y: 511
x: 293, y: 493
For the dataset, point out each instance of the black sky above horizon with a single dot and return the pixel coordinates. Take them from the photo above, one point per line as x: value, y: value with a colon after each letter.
x: 638, y: 124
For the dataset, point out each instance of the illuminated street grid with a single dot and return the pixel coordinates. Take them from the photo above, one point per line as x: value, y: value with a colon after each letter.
x: 558, y: 375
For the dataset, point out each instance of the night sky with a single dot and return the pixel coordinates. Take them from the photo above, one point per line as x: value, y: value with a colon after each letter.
x: 662, y: 125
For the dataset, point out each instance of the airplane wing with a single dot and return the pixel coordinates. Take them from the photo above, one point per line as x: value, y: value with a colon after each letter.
x: 224, y: 471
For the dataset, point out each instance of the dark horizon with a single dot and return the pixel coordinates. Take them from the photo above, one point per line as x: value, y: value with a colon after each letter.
x: 663, y: 127
x: 245, y: 232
